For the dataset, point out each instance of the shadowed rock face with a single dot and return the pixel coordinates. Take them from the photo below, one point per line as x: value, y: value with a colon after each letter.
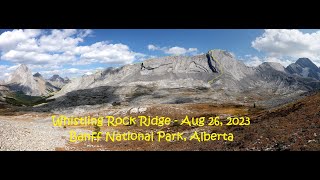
x: 99, y: 95
x: 304, y: 67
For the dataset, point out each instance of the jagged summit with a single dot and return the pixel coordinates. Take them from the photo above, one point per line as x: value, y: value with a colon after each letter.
x: 305, y: 62
x: 37, y: 75
x: 56, y: 78
x: 304, y: 67
x: 22, y: 68
x: 22, y: 80
x: 22, y: 75
x: 58, y: 81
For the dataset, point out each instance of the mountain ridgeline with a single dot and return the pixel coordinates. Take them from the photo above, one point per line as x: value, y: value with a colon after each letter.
x: 212, y: 77
x: 304, y: 67
x: 215, y: 77
x: 22, y: 80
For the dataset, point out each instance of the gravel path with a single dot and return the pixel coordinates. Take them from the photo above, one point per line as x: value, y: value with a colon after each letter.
x: 38, y: 135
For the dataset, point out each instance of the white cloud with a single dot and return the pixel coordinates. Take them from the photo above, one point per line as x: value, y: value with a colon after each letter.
x: 107, y: 53
x: 59, y: 41
x: 173, y: 50
x: 5, y: 70
x: 254, y: 61
x: 47, y: 71
x: 10, y: 39
x: 33, y: 57
x: 61, y: 47
x: 179, y: 50
x: 72, y: 70
x: 84, y: 33
x: 14, y: 67
x: 88, y: 73
x: 153, y: 47
x: 283, y: 62
x: 293, y: 44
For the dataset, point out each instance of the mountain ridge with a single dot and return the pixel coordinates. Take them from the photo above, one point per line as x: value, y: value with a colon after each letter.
x: 58, y: 81
x: 304, y: 67
x: 22, y: 80
x: 214, y: 76
x: 168, y: 79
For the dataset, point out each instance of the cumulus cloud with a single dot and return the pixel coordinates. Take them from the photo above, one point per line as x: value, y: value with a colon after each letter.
x: 173, y: 50
x: 180, y: 51
x: 107, y: 53
x: 293, y: 44
x: 84, y: 33
x: 56, y: 47
x: 32, y: 57
x: 10, y: 39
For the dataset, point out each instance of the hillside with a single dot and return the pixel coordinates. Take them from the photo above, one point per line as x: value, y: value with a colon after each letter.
x: 291, y: 127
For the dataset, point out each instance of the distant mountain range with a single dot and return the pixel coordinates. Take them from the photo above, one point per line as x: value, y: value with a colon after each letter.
x: 181, y: 71
x: 214, y: 76
x: 22, y: 80
x: 58, y: 81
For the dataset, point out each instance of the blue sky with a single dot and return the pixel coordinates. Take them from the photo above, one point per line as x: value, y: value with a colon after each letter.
x: 76, y: 52
x: 237, y: 41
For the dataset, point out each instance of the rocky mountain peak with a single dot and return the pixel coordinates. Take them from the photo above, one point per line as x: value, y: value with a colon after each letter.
x: 274, y: 65
x: 22, y: 68
x: 56, y: 78
x: 24, y: 81
x: 58, y: 81
x: 304, y: 67
x: 21, y: 75
x: 306, y: 63
x: 37, y: 75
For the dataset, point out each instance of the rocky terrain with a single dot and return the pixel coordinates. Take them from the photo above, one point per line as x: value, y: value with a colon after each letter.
x: 304, y: 67
x: 294, y: 126
x: 31, y: 132
x: 213, y: 77
x: 58, y: 81
x: 279, y: 99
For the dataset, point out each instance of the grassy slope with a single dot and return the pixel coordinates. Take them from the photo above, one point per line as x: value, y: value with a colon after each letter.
x: 20, y: 99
